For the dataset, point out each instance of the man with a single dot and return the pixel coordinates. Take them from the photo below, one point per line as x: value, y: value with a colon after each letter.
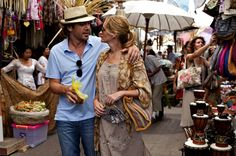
x: 76, y: 57
x: 157, y: 79
x: 170, y: 54
x: 43, y: 60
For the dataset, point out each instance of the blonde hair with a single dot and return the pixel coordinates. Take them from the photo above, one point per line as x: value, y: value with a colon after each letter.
x: 119, y: 25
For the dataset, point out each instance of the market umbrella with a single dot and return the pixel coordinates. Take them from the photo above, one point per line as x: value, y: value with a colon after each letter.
x: 154, y: 15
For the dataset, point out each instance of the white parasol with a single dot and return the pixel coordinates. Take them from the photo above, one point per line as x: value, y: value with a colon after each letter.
x: 154, y: 15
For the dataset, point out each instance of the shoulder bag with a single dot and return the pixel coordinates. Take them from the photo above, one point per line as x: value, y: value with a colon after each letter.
x: 140, y: 116
x: 189, y: 77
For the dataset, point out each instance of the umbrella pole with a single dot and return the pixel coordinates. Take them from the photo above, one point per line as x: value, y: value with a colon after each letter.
x: 175, y: 40
x: 145, y: 40
x: 59, y: 31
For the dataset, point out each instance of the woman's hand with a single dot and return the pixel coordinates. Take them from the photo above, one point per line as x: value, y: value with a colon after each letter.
x: 98, y: 108
x: 111, y: 98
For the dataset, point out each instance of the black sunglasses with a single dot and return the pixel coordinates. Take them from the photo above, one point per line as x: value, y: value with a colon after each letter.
x: 79, y: 71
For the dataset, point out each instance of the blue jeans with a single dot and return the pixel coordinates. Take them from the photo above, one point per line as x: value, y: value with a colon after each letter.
x: 71, y: 132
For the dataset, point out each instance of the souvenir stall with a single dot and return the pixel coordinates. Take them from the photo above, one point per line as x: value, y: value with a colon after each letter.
x: 214, y: 121
x: 34, y: 22
x: 28, y: 21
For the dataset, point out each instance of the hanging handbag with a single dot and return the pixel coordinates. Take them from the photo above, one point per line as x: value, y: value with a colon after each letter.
x: 222, y: 59
x: 233, y: 54
x: 226, y: 69
x: 232, y: 4
x: 231, y: 62
x: 212, y: 8
x: 140, y: 116
x: 230, y: 7
x: 215, y: 55
x: 225, y: 28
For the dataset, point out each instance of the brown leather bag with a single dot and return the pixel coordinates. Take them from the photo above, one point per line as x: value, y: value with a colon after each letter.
x: 231, y: 62
x: 232, y: 4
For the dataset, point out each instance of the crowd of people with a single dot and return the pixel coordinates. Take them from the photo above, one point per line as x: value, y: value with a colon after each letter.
x: 195, y: 52
x: 109, y: 68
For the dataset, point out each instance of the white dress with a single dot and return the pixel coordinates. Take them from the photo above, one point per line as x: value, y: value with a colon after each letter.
x: 24, y: 73
x: 41, y: 76
x: 188, y: 97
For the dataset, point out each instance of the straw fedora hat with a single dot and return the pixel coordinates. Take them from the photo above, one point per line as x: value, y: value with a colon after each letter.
x: 76, y: 15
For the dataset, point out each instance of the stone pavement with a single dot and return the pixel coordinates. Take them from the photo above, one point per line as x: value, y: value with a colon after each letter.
x: 164, y: 138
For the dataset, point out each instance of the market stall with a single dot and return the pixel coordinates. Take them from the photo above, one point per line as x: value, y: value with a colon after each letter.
x: 14, y: 92
x: 214, y: 120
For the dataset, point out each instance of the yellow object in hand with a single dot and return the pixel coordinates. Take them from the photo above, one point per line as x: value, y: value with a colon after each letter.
x: 76, y: 85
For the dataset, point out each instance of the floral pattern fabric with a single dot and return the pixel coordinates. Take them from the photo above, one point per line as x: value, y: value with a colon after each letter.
x: 189, y: 77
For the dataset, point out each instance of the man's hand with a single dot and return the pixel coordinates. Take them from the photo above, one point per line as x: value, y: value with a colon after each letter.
x: 72, y: 96
x: 134, y: 53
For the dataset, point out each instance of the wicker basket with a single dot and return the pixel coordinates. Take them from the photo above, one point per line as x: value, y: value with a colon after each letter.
x: 28, y: 118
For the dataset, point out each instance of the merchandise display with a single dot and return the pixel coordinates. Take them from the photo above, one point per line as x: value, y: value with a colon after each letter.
x: 29, y: 113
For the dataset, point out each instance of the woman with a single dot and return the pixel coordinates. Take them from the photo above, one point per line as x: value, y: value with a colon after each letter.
x: 180, y: 61
x: 25, y: 67
x: 43, y: 60
x: 198, y: 47
x: 117, y: 78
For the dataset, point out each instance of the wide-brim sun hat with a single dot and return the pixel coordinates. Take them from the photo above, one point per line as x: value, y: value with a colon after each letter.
x: 76, y: 14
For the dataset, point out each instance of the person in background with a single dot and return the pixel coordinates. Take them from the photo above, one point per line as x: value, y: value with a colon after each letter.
x: 170, y: 54
x: 76, y: 57
x: 179, y: 65
x: 180, y: 58
x: 151, y: 52
x: 197, y: 47
x: 157, y: 79
x: 179, y: 62
x: 117, y: 78
x: 43, y: 60
x: 149, y: 44
x: 186, y: 48
x: 24, y: 66
x: 159, y: 53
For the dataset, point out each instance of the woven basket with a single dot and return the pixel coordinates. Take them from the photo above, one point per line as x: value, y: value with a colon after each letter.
x: 28, y: 118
